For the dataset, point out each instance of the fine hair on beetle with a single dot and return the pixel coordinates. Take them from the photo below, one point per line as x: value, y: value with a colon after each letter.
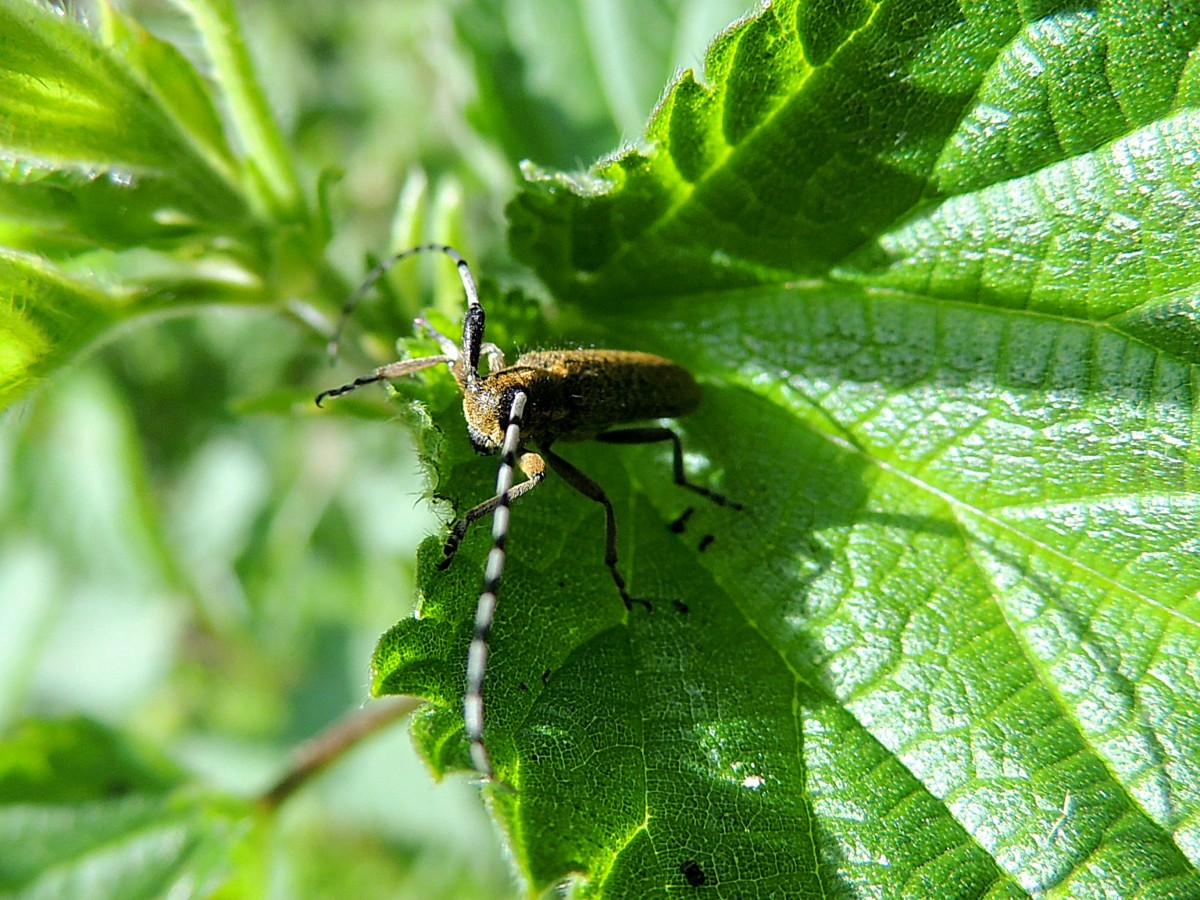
x: 544, y: 397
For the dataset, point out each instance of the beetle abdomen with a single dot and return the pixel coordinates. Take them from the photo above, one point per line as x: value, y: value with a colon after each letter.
x: 575, y: 394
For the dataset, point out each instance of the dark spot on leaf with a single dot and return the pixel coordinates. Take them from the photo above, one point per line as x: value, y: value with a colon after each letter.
x: 705, y: 542
x: 681, y: 523
x: 523, y: 686
x: 545, y: 676
x: 692, y: 872
x: 681, y: 607
x: 533, y: 757
x: 561, y: 583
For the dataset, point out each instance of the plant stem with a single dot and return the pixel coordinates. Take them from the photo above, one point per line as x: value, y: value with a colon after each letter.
x: 312, y: 757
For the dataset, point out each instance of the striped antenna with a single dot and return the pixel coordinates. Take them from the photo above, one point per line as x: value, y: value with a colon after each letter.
x: 464, y: 273
x: 485, y: 610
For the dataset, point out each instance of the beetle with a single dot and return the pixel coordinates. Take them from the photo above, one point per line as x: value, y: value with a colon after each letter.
x: 546, y: 396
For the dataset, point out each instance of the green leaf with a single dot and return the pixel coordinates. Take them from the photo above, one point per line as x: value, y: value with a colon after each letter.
x: 115, y: 168
x: 76, y: 117
x: 935, y: 263
x: 177, y: 86
x: 85, y: 814
x: 75, y: 761
x: 48, y: 317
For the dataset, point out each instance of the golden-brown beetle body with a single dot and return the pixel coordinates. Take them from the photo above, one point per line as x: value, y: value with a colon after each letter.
x: 573, y: 395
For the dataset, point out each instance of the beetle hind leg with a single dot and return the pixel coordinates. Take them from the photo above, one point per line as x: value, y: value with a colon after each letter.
x: 657, y: 435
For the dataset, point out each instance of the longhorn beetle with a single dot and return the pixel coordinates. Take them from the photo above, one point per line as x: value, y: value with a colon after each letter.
x: 544, y: 397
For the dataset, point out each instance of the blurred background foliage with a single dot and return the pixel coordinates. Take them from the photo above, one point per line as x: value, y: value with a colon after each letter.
x: 192, y: 555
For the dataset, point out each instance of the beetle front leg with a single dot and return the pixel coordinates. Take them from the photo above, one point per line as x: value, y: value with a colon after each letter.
x: 495, y: 356
x: 534, y: 468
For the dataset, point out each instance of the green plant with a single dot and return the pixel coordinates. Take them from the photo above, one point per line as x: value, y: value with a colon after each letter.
x: 932, y: 263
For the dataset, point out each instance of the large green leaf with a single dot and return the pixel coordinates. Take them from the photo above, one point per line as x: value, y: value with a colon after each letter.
x: 934, y: 262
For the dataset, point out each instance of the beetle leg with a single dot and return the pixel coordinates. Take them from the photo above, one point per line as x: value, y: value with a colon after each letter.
x: 495, y: 356
x: 654, y: 436
x: 534, y: 468
x: 448, y: 346
x: 593, y: 491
